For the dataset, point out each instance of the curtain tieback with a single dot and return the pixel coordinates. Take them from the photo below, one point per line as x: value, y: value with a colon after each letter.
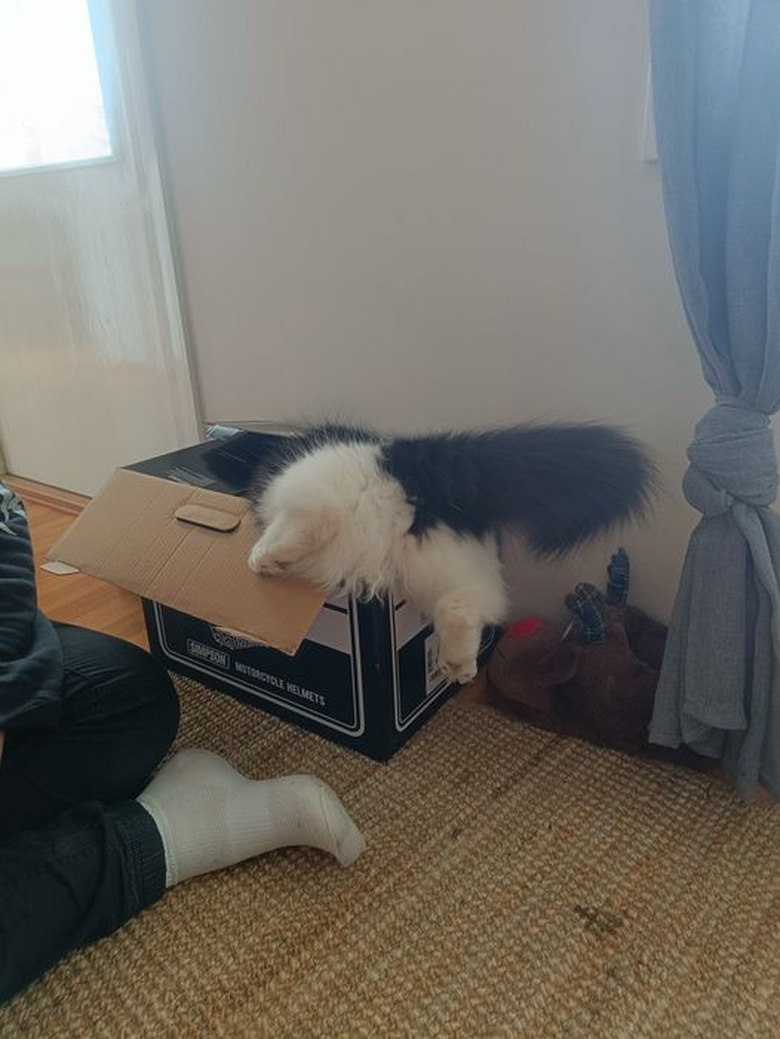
x: 732, y: 458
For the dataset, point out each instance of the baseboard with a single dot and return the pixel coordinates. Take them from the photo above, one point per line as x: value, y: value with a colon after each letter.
x: 40, y: 494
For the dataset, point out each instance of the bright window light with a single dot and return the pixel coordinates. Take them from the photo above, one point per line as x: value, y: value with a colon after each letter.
x: 51, y: 104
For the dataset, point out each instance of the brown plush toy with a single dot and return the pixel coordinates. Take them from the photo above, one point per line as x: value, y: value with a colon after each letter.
x: 594, y: 679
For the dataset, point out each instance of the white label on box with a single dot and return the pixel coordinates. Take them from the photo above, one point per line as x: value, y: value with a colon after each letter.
x: 332, y: 628
x: 409, y: 622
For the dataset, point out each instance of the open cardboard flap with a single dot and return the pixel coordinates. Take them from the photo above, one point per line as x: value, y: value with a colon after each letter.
x: 187, y: 548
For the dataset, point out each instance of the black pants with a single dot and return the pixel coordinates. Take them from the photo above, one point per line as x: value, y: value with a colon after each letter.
x: 78, y: 856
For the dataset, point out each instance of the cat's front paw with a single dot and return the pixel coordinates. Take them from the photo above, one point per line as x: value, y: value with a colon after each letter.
x: 460, y: 671
x: 263, y: 562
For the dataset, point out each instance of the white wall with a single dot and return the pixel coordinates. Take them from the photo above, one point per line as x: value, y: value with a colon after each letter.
x: 426, y: 213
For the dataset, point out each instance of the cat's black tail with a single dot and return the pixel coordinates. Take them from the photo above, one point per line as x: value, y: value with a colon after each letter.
x: 559, y: 485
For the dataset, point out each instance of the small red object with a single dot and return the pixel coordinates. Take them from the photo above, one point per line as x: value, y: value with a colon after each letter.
x: 525, y: 628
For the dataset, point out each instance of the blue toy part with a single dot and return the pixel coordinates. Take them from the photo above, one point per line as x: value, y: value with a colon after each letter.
x: 618, y: 574
x: 589, y: 608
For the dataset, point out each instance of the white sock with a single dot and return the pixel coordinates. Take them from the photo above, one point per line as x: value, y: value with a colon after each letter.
x: 209, y: 816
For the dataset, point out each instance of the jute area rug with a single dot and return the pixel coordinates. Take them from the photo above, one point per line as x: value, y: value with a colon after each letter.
x: 515, y: 884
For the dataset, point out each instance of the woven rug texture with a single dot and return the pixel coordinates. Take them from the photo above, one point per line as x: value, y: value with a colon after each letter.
x: 515, y: 884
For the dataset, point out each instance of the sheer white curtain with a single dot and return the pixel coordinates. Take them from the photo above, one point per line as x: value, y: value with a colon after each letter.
x: 93, y: 368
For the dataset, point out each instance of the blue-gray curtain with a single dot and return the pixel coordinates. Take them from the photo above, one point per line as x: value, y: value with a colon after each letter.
x: 716, y: 82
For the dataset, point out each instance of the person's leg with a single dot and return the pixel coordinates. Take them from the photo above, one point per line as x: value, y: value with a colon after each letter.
x: 71, y: 882
x: 67, y: 879
x: 120, y: 716
x: 82, y: 876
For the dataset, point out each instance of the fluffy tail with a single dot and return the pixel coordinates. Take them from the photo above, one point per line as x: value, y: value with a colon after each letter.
x: 559, y: 485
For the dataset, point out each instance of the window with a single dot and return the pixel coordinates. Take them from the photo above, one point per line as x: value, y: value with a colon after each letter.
x: 52, y: 109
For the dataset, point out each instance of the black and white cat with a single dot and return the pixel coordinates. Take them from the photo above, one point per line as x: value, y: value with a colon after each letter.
x: 421, y: 517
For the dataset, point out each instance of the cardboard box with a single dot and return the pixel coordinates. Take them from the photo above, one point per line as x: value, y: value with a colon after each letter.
x: 177, y: 531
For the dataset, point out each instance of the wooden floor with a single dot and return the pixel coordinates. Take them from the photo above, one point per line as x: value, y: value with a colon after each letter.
x: 75, y: 598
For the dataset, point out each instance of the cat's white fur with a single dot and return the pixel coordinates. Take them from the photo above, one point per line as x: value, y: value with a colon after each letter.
x: 335, y: 517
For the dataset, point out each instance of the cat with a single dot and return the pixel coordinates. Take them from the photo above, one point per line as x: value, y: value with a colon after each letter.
x: 421, y: 517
